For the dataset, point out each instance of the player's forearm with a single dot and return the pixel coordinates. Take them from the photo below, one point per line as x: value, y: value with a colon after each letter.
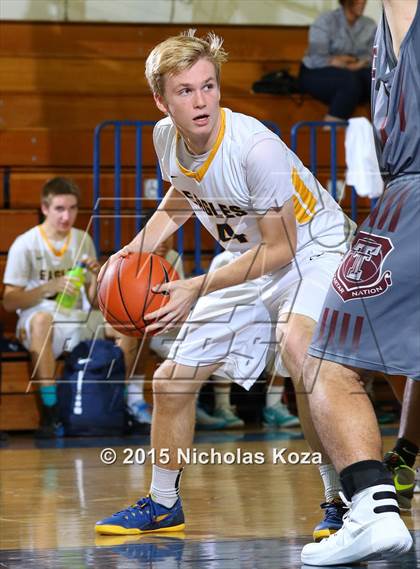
x: 277, y: 248
x: 258, y: 261
x: 158, y: 229
x: 172, y: 213
x: 21, y: 299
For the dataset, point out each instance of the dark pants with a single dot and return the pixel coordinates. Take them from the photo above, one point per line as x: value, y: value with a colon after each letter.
x: 341, y: 89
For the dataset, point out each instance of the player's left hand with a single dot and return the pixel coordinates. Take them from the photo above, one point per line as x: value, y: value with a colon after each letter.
x: 183, y: 294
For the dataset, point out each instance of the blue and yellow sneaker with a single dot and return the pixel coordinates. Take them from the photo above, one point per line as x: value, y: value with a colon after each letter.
x: 404, y: 478
x: 146, y: 516
x: 333, y: 519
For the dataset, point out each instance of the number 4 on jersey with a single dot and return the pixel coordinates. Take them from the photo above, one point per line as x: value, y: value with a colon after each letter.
x: 226, y: 233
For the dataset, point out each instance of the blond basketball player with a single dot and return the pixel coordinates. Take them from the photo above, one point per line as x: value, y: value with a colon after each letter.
x: 288, y: 236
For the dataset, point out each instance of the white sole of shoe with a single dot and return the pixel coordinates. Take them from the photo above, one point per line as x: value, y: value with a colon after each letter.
x: 362, y: 548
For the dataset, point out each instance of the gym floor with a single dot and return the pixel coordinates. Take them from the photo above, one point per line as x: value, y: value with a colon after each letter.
x: 238, y: 514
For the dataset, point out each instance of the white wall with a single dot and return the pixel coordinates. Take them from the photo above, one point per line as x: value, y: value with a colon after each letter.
x: 282, y: 12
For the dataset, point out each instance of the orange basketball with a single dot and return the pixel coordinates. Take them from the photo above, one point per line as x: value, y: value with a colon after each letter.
x: 125, y: 291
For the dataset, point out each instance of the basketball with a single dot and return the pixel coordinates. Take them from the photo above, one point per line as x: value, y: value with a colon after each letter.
x: 125, y: 294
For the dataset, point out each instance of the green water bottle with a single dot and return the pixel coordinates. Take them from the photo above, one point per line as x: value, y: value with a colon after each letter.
x: 68, y: 301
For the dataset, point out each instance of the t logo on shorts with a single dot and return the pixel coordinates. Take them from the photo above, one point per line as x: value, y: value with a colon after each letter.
x: 360, y: 273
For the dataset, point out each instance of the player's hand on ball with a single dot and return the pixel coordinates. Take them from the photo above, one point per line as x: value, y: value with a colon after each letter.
x: 124, y: 252
x: 183, y: 294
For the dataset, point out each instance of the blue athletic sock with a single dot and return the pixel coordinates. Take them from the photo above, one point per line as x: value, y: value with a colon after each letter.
x: 48, y: 395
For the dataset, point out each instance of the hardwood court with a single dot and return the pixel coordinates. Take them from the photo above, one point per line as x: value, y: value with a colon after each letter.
x: 238, y: 515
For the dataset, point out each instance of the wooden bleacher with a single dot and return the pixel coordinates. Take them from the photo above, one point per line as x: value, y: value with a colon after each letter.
x: 60, y: 80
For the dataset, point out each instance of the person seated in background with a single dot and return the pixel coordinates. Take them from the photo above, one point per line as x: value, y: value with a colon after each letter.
x: 35, y: 273
x: 336, y: 68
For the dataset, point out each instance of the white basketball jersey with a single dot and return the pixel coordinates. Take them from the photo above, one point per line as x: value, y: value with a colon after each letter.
x: 33, y: 259
x: 249, y: 170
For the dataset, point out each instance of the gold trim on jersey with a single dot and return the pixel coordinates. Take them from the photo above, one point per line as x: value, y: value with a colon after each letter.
x: 200, y: 173
x: 54, y: 251
x: 304, y: 201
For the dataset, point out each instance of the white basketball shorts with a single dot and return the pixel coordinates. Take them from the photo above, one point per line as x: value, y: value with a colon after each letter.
x: 67, y: 329
x: 236, y: 326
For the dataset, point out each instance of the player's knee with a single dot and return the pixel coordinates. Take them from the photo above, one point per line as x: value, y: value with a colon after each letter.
x: 162, y: 386
x: 168, y: 389
x: 293, y: 353
x: 289, y: 352
x: 294, y: 340
x: 41, y: 323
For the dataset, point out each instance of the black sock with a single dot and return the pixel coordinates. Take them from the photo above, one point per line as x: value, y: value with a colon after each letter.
x: 364, y: 474
x: 407, y: 451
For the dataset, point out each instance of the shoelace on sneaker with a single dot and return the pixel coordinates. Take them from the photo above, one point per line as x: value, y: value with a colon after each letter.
x: 347, y: 503
x: 346, y: 519
x: 138, y: 506
x: 332, y: 507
